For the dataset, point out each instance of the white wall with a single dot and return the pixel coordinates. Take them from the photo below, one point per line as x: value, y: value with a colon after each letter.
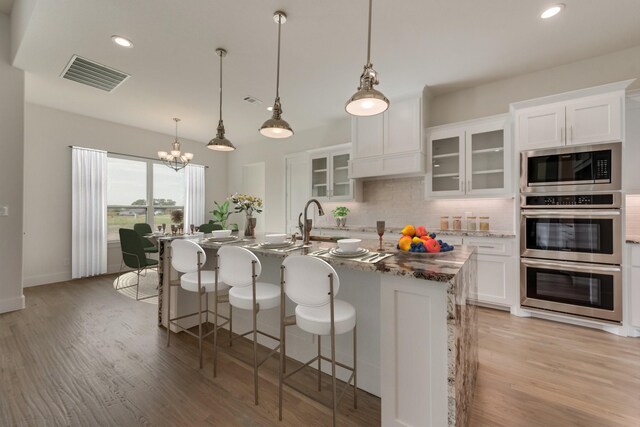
x: 47, y: 181
x: 11, y: 190
x: 272, y: 153
x: 494, y: 98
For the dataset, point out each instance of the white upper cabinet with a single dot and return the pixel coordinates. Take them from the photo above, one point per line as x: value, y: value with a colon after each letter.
x: 471, y: 158
x: 586, y: 120
x: 330, y: 174
x: 597, y: 119
x: 389, y: 143
x: 368, y: 136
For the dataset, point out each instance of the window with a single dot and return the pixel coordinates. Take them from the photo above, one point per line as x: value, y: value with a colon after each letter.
x: 141, y: 191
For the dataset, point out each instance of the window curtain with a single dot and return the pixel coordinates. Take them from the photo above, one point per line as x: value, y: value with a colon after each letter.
x: 194, y: 200
x: 89, y: 212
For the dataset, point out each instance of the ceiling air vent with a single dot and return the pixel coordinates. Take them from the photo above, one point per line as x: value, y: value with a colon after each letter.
x: 91, y: 73
x: 252, y: 100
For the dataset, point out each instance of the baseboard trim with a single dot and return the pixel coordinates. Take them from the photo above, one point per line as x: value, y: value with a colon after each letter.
x: 45, y: 279
x: 12, y: 304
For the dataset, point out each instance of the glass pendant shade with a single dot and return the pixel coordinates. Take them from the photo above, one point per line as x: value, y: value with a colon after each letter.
x: 367, y: 101
x: 220, y: 143
x: 276, y: 127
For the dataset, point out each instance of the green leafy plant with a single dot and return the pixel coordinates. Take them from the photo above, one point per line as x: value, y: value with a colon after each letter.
x: 340, y: 211
x: 221, y: 213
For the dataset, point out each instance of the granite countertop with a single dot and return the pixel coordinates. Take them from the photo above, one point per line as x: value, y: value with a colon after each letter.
x: 441, y: 267
x: 397, y: 230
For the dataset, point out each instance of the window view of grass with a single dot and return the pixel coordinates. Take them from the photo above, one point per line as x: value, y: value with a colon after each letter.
x: 126, y: 217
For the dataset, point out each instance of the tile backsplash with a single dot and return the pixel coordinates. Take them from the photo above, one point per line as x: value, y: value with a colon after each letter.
x: 400, y: 201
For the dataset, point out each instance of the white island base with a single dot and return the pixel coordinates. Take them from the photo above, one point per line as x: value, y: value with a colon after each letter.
x: 417, y: 338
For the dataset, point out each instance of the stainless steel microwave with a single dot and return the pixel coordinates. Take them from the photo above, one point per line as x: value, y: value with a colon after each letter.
x: 571, y: 169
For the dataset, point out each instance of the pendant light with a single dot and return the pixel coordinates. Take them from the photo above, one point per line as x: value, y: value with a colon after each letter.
x: 367, y: 101
x: 276, y: 127
x: 220, y: 143
x: 175, y: 159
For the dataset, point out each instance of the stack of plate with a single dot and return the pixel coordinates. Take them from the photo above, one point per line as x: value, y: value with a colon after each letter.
x: 278, y: 245
x: 340, y: 253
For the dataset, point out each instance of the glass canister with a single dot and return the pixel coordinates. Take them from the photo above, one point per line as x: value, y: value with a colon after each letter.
x: 472, y: 224
x: 457, y: 223
x: 484, y: 223
x: 444, y: 222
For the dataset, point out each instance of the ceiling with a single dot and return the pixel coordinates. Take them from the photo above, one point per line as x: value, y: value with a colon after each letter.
x: 446, y: 44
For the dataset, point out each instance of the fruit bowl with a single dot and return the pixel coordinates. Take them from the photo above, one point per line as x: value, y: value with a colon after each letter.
x: 418, y: 241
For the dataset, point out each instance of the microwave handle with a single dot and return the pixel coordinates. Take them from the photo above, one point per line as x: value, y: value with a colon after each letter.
x: 565, y: 265
x: 573, y: 213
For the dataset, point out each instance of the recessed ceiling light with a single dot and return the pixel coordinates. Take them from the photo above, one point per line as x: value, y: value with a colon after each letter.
x: 122, y: 41
x: 552, y: 11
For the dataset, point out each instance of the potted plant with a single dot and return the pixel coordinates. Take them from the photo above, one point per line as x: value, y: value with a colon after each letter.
x: 249, y: 205
x: 340, y: 214
x: 177, y: 216
x: 221, y: 215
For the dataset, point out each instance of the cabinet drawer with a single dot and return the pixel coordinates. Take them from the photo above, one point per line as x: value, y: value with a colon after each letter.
x: 489, y: 246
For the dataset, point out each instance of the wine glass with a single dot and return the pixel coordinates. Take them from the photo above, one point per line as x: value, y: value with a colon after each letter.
x: 380, y: 228
x: 192, y: 227
x: 159, y: 229
x: 164, y: 227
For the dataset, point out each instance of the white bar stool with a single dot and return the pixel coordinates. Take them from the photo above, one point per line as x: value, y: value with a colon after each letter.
x: 188, y: 257
x: 312, y: 284
x: 239, y: 268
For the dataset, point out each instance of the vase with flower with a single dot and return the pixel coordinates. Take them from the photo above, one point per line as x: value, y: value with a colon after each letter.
x: 250, y: 205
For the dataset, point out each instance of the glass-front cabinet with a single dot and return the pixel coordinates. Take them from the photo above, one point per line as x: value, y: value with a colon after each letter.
x: 330, y: 175
x: 446, y: 152
x: 471, y: 159
x: 485, y: 160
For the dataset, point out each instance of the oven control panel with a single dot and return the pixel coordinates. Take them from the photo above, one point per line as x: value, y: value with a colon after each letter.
x: 590, y: 200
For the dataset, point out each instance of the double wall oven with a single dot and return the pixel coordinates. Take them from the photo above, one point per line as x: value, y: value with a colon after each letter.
x: 571, y: 231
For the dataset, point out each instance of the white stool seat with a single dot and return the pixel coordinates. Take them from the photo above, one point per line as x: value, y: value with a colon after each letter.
x: 267, y: 295
x: 317, y: 320
x: 189, y: 282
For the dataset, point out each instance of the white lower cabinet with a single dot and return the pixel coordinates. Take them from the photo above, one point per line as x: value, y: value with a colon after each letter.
x: 497, y: 273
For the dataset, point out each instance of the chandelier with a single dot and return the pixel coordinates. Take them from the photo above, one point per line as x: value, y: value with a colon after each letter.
x: 175, y: 159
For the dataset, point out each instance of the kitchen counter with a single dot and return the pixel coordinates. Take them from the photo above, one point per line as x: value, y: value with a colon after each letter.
x: 397, y: 230
x: 428, y: 381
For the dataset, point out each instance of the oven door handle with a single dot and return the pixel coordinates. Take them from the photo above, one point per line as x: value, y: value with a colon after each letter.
x: 568, y: 265
x: 573, y: 213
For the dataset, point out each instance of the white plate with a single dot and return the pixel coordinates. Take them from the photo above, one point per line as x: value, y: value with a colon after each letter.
x: 341, y: 254
x: 221, y: 239
x: 280, y: 245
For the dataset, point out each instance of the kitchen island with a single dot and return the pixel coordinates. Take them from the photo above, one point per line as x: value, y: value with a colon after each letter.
x: 417, y: 336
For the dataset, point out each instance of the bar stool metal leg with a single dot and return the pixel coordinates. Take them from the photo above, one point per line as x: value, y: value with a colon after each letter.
x: 355, y: 370
x: 255, y: 332
x: 319, y: 362
x: 333, y: 352
x: 199, y: 310
x: 168, y: 293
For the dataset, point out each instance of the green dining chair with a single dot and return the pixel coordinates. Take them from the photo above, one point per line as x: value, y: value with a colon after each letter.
x: 208, y: 228
x: 133, y: 256
x: 143, y: 229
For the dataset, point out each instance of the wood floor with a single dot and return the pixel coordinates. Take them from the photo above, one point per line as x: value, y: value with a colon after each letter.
x: 81, y: 354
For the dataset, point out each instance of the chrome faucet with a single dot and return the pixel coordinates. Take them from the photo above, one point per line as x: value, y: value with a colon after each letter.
x: 307, y: 222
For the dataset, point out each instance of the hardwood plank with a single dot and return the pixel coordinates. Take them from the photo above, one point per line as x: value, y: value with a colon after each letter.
x: 82, y: 354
